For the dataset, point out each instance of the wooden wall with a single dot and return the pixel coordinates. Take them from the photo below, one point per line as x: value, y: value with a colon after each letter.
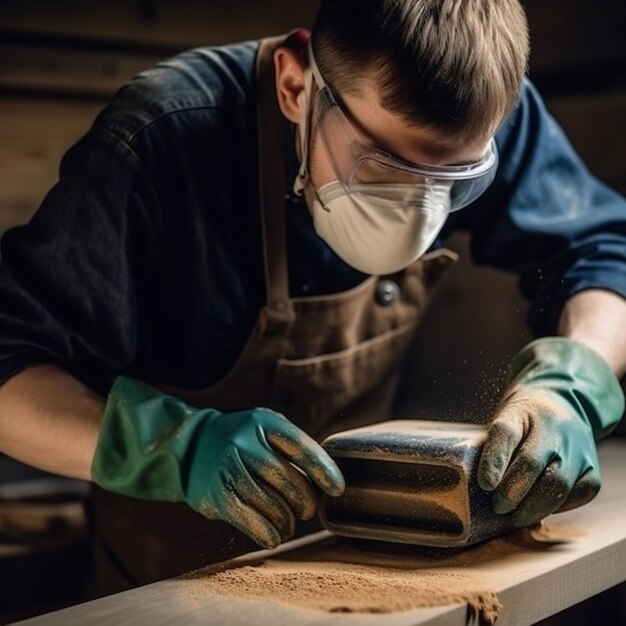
x: 60, y: 61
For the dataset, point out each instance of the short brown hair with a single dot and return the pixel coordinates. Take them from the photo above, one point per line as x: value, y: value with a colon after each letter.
x: 456, y: 65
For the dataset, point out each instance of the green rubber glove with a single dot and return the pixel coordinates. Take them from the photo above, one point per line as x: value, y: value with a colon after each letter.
x: 540, y: 454
x: 250, y: 469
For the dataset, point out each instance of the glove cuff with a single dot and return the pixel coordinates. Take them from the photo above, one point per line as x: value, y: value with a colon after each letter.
x: 577, y: 373
x: 142, y: 442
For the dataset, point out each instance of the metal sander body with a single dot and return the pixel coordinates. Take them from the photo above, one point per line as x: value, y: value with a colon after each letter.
x: 412, y: 481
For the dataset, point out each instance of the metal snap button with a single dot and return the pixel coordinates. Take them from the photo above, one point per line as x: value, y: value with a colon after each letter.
x: 387, y: 292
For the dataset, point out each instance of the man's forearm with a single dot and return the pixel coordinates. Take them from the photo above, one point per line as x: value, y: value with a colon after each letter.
x: 597, y: 318
x: 50, y: 420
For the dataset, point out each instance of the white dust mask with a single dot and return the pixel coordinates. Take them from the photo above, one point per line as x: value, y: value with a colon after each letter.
x: 380, y: 228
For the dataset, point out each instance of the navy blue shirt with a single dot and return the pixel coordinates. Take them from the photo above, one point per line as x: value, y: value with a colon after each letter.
x: 145, y: 259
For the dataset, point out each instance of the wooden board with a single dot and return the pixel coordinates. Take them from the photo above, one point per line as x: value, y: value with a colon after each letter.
x: 567, y: 35
x: 64, y: 70
x: 576, y: 35
x: 165, y: 24
x: 531, y: 584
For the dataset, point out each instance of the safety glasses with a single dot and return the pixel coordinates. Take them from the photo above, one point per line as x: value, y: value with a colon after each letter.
x: 356, y: 163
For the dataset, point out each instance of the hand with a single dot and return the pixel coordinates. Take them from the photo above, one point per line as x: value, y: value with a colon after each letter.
x: 540, y: 455
x: 252, y: 469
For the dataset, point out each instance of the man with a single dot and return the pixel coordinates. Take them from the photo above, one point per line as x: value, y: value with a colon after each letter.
x: 173, y: 333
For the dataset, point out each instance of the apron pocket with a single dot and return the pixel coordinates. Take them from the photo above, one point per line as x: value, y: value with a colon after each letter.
x: 311, y: 391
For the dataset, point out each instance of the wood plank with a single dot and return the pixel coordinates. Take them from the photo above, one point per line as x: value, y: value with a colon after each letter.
x: 570, y: 35
x: 172, y: 23
x: 47, y: 69
x: 566, y: 34
x: 531, y: 583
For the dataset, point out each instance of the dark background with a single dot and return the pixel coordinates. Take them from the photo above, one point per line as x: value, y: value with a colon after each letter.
x: 60, y: 61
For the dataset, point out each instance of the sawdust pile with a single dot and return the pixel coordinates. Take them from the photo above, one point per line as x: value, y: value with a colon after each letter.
x: 554, y: 532
x: 348, y: 576
x: 348, y: 588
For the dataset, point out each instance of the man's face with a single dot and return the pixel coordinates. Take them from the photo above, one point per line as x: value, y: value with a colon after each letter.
x: 379, y: 189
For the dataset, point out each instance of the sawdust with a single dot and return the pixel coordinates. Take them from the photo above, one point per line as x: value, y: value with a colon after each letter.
x: 553, y: 532
x: 349, y: 588
x: 352, y: 577
x: 340, y: 575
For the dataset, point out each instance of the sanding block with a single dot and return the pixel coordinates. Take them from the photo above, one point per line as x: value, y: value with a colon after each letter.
x: 412, y: 481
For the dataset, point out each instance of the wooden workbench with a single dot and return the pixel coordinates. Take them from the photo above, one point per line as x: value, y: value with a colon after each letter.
x: 531, y: 583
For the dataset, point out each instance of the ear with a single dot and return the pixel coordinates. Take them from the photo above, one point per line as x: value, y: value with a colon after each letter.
x: 289, y: 68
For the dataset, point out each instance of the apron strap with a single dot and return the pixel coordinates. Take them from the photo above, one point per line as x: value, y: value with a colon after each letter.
x: 271, y: 137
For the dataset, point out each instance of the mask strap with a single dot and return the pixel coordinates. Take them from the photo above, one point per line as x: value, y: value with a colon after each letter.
x: 321, y: 83
x: 303, y: 133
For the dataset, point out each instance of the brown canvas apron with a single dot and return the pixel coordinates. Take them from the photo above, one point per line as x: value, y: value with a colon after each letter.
x: 326, y: 362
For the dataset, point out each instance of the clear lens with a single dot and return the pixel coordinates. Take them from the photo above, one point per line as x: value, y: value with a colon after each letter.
x: 357, y: 164
x: 340, y: 143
